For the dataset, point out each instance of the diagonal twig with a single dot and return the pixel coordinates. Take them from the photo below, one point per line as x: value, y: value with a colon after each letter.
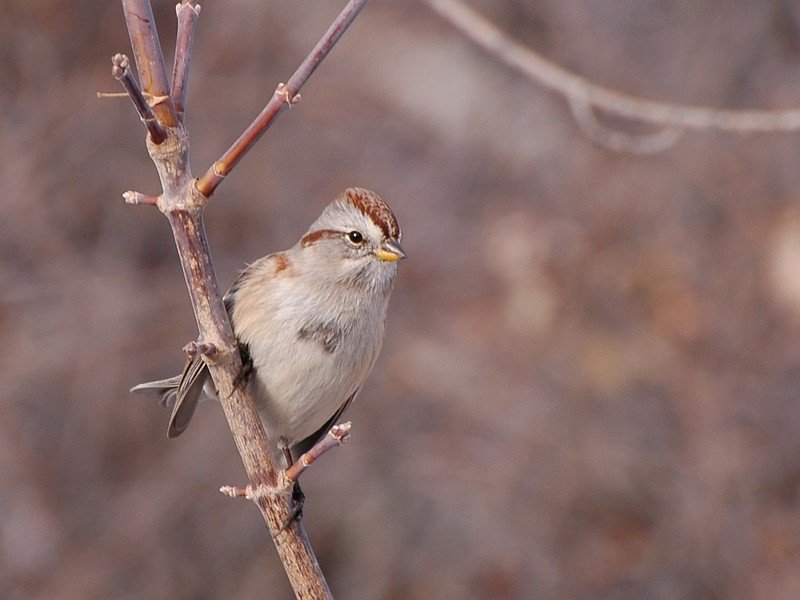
x: 337, y: 436
x: 121, y: 71
x: 285, y: 95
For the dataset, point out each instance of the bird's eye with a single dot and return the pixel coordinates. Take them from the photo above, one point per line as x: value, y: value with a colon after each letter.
x: 356, y: 237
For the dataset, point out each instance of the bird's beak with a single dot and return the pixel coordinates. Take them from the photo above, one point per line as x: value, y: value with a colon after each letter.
x: 391, y: 251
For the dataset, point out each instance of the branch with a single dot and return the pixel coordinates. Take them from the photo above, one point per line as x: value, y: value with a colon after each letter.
x: 285, y: 95
x: 121, y: 71
x: 183, y: 204
x: 149, y: 58
x: 576, y: 89
x: 188, y: 11
x: 619, y: 140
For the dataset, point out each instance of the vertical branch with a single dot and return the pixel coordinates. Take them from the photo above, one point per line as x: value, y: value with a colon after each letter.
x: 183, y: 203
x: 149, y: 58
x: 285, y: 95
x: 272, y: 487
x: 188, y: 11
x: 214, y: 327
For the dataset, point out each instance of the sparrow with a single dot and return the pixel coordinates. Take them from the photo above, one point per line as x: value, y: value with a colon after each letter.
x: 309, y: 322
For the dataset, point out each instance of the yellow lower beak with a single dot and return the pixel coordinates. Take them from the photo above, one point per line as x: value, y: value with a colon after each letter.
x: 391, y: 251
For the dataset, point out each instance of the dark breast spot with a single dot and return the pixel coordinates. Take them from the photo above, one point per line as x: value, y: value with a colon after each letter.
x: 325, y: 334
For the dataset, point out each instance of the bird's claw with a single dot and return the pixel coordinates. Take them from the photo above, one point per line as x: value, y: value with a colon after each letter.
x: 298, y: 499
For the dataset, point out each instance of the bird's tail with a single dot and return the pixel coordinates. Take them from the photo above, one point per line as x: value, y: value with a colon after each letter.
x: 180, y: 394
x: 166, y: 390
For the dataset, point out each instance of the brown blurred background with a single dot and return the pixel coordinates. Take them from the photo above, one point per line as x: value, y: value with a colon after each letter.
x: 589, y: 384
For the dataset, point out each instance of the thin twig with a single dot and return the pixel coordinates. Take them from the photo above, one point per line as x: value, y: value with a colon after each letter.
x: 571, y: 86
x: 113, y: 94
x: 234, y: 491
x: 337, y: 436
x: 149, y: 58
x: 285, y: 95
x: 188, y: 11
x: 121, y: 71
x: 132, y: 197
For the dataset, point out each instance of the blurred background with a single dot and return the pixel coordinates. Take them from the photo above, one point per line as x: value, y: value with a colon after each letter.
x: 589, y: 383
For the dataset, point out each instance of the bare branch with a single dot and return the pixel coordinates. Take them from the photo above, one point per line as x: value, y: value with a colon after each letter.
x: 149, y: 58
x: 188, y: 11
x: 285, y: 95
x: 121, y: 71
x: 576, y: 88
x: 215, y: 329
x: 292, y: 544
x: 337, y: 436
x: 183, y: 207
x: 183, y: 204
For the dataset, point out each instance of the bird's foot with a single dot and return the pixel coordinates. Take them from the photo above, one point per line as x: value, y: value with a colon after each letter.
x: 246, y: 372
x: 298, y: 499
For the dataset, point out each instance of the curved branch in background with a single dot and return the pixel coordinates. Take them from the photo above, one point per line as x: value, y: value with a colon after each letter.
x: 580, y: 91
x: 622, y: 141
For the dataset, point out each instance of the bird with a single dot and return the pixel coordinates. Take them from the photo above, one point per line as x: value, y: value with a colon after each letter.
x: 309, y: 322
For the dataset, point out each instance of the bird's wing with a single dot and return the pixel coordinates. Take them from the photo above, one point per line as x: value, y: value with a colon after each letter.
x: 262, y: 269
x: 195, y: 375
x: 190, y: 388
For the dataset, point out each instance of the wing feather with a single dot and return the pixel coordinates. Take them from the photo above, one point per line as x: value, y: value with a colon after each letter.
x: 183, y: 392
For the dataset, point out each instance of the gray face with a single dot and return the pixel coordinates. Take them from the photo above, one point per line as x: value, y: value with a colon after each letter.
x: 357, y: 237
